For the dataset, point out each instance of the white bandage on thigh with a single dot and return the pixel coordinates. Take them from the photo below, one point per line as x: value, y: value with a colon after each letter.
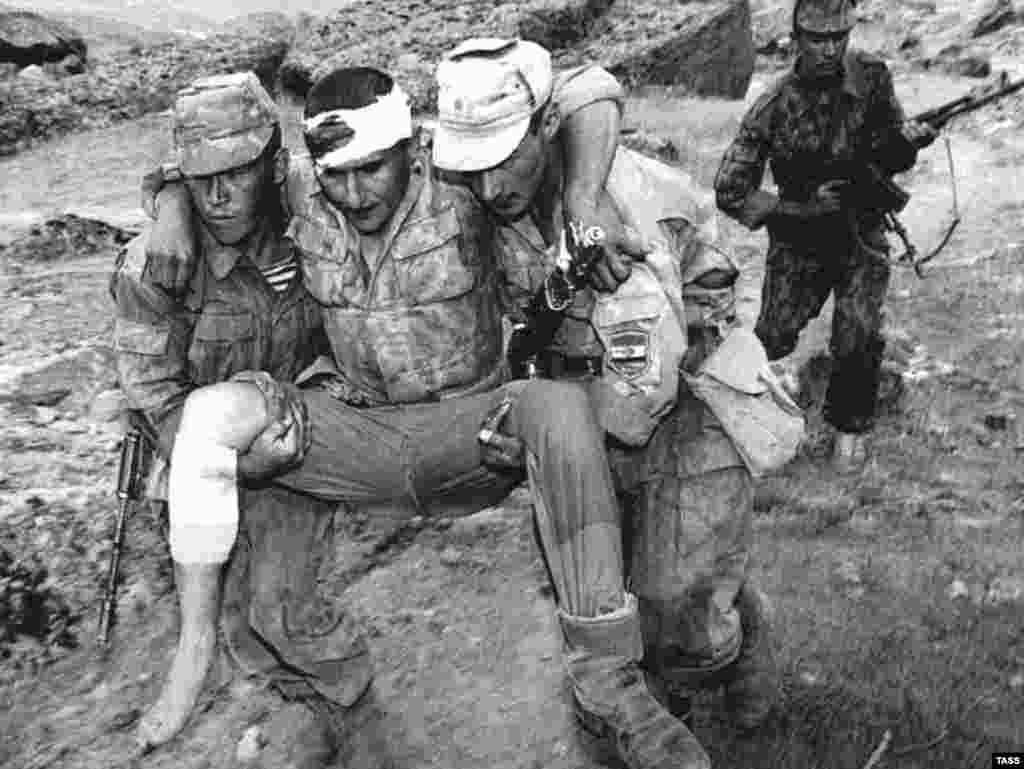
x: 202, y: 498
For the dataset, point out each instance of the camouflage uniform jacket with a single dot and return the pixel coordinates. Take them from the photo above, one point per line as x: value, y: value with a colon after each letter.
x: 809, y: 135
x: 419, y: 322
x: 229, y: 320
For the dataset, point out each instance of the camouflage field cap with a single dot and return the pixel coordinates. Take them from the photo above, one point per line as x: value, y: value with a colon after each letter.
x: 222, y: 122
x: 825, y: 17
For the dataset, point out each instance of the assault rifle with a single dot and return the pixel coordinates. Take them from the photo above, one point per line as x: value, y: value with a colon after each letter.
x: 878, y: 192
x: 128, y: 474
x: 546, y: 310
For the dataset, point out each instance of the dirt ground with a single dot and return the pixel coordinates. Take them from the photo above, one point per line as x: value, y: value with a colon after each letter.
x: 898, y: 595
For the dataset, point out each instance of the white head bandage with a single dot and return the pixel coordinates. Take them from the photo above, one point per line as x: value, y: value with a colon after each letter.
x: 375, y: 127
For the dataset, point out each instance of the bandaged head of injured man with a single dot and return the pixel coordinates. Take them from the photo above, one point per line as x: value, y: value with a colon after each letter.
x: 357, y: 128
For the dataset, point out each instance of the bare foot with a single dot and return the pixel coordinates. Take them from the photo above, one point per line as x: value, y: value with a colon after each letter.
x: 172, y: 709
x: 199, y: 600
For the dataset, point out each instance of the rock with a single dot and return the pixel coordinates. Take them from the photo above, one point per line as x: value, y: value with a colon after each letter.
x: 76, y: 374
x: 45, y: 415
x: 958, y: 589
x: 658, y: 147
x: 417, y: 33
x: 996, y: 15
x: 998, y: 422
x: 706, y: 47
x: 28, y: 38
x: 34, y: 72
x: 955, y: 60
x: 122, y: 720
x: 451, y: 556
x: 556, y: 25
x: 250, y: 745
x: 67, y: 236
x: 270, y: 24
x: 139, y: 596
x: 809, y: 677
x: 69, y: 65
x: 1017, y: 681
x: 848, y: 573
x: 108, y: 406
x: 128, y: 83
x: 1005, y: 590
x: 476, y: 524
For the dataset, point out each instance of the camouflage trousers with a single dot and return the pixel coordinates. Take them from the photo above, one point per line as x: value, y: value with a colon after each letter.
x: 799, y: 278
x: 425, y: 458
x: 274, y: 623
x: 688, y: 505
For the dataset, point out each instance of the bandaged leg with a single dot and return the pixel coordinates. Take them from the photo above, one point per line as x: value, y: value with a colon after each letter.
x: 203, y: 505
x: 202, y: 498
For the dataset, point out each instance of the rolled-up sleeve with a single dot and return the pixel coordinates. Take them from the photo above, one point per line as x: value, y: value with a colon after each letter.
x: 152, y: 334
x: 578, y: 87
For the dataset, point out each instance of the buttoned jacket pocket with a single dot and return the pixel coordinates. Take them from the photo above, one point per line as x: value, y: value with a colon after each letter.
x: 430, y: 262
x: 223, y: 343
x: 333, y: 274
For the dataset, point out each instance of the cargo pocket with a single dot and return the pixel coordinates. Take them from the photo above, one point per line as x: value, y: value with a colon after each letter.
x: 429, y: 261
x: 133, y: 336
x: 332, y: 274
x: 222, y: 344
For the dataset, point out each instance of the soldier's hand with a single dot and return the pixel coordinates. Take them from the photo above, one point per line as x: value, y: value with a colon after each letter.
x: 919, y: 134
x: 828, y: 199
x: 498, y: 449
x: 622, y: 245
x: 171, y: 252
x: 281, y: 445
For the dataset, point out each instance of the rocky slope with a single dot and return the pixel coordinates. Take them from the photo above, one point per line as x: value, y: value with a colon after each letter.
x: 704, y: 47
x: 37, y: 104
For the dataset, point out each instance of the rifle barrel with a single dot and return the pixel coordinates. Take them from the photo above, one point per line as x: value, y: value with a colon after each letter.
x: 113, y: 570
x: 127, y: 488
x: 937, y: 117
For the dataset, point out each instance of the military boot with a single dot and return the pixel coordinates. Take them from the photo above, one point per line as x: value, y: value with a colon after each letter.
x: 611, y: 696
x: 752, y: 681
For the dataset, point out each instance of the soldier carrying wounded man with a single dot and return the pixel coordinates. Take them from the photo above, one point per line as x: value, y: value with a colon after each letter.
x: 413, y: 276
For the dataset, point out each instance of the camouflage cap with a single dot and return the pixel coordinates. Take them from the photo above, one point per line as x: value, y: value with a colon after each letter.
x: 222, y: 122
x: 825, y: 17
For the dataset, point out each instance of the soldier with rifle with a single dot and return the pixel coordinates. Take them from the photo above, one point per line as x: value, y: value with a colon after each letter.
x: 243, y: 308
x: 835, y: 111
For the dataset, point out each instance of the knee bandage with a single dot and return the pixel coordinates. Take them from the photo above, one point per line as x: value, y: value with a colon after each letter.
x: 202, y: 498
